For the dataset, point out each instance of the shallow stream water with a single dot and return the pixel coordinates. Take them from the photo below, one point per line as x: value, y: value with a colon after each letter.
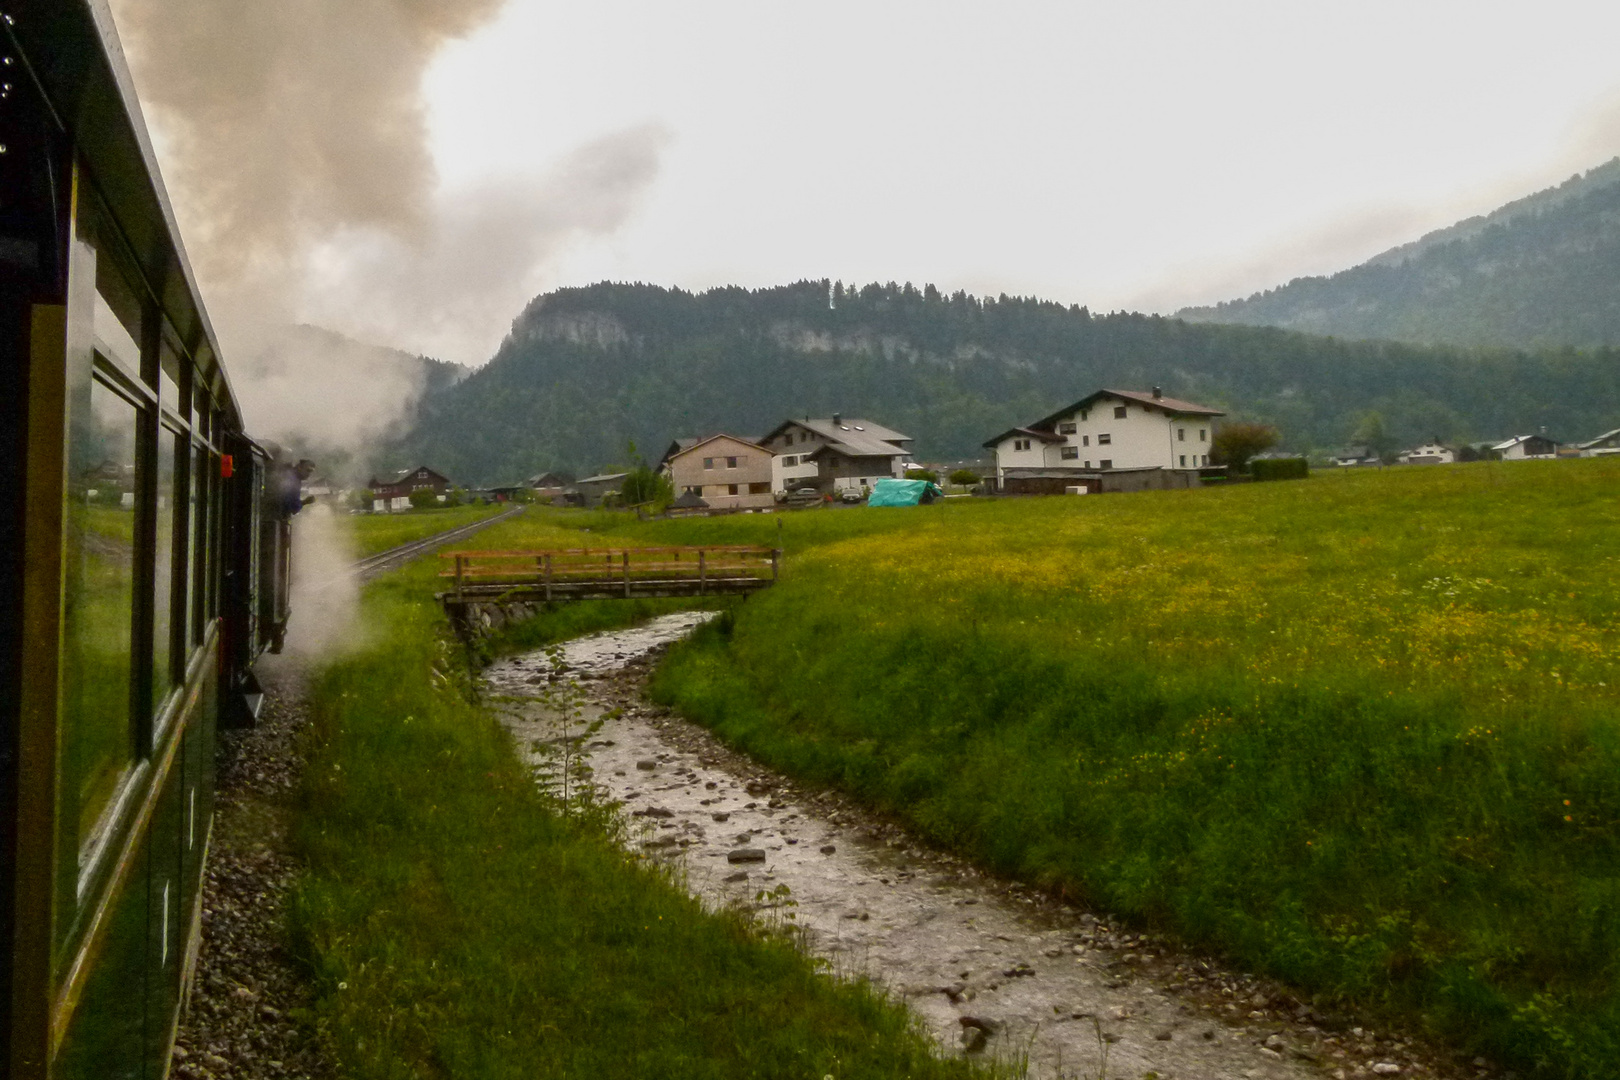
x: 990, y: 969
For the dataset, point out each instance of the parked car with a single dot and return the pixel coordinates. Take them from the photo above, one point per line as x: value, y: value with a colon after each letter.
x: 850, y: 495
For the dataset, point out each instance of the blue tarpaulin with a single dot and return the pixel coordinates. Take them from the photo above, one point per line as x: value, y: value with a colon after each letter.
x: 888, y: 492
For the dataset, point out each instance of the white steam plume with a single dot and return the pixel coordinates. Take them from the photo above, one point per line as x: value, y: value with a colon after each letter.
x: 294, y: 142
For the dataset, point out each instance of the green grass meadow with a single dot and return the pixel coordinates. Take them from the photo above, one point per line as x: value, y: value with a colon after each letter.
x: 459, y: 925
x: 375, y: 533
x: 1358, y: 731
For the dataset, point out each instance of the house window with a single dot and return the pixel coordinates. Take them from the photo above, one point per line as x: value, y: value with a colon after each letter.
x: 1206, y: 459
x: 1088, y: 464
x: 731, y: 463
x: 759, y: 488
x: 1183, y: 461
x: 1104, y: 439
x: 698, y: 491
x: 1106, y: 463
x: 1067, y: 429
x: 1181, y: 434
x: 1203, y: 434
x: 1084, y: 413
x: 1119, y: 412
x: 731, y: 489
x: 1071, y: 453
x: 1020, y: 444
x: 708, y: 463
x: 1085, y: 440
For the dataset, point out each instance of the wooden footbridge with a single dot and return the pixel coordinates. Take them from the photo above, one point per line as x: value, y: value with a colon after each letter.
x: 529, y: 577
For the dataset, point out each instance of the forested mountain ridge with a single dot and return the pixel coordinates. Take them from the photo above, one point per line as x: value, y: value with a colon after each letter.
x: 586, y: 371
x: 1543, y: 271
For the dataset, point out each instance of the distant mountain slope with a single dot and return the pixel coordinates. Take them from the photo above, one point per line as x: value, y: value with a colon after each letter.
x: 586, y: 371
x: 1543, y: 271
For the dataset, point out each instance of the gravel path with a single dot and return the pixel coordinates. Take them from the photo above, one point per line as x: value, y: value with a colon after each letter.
x: 991, y: 968
x: 241, y: 1023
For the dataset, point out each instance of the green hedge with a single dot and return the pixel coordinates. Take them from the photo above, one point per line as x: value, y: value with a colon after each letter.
x: 1280, y: 469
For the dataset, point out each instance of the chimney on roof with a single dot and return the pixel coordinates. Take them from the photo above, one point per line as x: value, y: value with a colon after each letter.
x: 1158, y: 392
x: 837, y: 419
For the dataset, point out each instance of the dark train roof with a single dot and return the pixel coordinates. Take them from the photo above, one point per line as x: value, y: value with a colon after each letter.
x: 70, y: 48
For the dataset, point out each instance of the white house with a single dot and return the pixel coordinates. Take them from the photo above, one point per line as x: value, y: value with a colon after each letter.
x: 1602, y: 446
x: 1352, y: 456
x: 835, y: 454
x: 1430, y: 453
x: 1109, y: 431
x: 1526, y: 447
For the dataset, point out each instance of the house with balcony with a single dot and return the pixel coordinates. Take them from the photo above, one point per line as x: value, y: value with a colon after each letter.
x: 395, y: 493
x: 1432, y: 452
x: 1111, y: 440
x: 1526, y: 448
x: 836, y: 454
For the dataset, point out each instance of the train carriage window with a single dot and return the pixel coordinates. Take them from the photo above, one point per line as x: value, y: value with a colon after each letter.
x: 201, y: 550
x: 98, y: 669
x: 169, y: 389
x: 165, y: 582
x: 114, y: 338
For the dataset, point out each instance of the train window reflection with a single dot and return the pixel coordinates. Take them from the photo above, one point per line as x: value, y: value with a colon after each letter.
x: 167, y: 586
x: 198, y: 545
x: 100, y: 591
x: 168, y: 389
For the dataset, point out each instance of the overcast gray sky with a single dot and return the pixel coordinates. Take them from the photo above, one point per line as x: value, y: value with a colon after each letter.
x: 1145, y: 154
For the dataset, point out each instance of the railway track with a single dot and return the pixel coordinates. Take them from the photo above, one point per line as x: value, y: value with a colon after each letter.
x: 372, y: 565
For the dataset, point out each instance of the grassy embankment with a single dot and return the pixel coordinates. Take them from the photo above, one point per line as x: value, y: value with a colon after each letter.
x: 459, y: 926
x: 1359, y: 731
x: 375, y: 533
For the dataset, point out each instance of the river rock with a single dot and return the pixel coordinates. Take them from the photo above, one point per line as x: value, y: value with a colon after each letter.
x: 1386, y: 1068
x: 828, y: 849
x: 745, y: 855
x: 654, y: 811
x: 646, y: 764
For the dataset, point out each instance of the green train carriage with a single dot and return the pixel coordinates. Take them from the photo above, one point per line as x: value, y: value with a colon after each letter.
x: 143, y: 567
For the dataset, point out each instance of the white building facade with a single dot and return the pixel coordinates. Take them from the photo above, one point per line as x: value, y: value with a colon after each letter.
x: 1527, y: 448
x: 1430, y: 453
x: 1110, y: 430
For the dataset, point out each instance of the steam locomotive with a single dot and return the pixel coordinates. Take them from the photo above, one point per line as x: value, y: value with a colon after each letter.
x: 143, y: 564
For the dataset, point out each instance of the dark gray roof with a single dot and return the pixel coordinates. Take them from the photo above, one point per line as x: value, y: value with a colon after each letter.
x: 689, y: 501
x: 852, y: 430
x: 1173, y: 406
x: 1028, y: 433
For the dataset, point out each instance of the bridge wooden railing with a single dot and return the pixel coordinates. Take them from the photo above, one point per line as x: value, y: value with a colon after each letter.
x: 589, y: 573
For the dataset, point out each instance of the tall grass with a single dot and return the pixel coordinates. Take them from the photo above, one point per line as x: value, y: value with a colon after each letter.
x: 459, y: 926
x: 1359, y: 731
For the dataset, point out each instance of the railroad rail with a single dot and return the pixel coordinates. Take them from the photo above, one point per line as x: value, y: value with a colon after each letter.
x: 606, y: 573
x: 373, y: 565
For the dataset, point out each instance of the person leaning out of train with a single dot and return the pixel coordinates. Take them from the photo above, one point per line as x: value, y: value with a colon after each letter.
x: 290, y: 486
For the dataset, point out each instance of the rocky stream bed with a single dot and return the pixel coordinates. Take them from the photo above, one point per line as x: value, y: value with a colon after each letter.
x: 990, y: 967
